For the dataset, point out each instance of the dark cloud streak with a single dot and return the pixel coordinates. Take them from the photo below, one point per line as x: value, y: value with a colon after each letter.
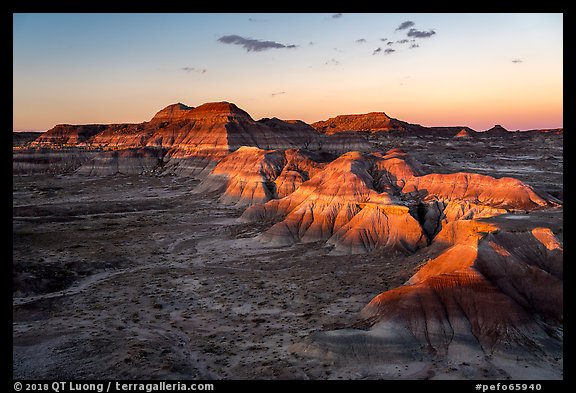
x: 252, y: 45
x: 388, y: 51
x: 336, y: 16
x: 420, y: 34
x: 405, y: 25
x: 360, y: 41
x: 376, y: 51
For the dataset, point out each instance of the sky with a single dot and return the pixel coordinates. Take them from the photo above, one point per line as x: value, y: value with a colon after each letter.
x: 450, y: 69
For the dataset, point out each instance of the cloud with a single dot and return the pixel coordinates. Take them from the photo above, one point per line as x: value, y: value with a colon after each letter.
x: 516, y: 61
x: 402, y: 41
x: 278, y: 94
x: 420, y: 34
x: 405, y: 25
x: 383, y: 39
x: 414, y: 46
x: 388, y: 51
x: 332, y: 62
x: 252, y: 45
x: 336, y: 16
x: 311, y: 43
x: 390, y: 43
x: 360, y: 41
x: 378, y: 50
x: 256, y: 20
x: 193, y: 69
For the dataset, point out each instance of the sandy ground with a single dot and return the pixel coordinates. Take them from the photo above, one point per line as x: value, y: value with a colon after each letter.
x: 136, y: 277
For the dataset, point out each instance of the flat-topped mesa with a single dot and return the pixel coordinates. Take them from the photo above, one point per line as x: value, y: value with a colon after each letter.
x: 68, y: 134
x: 371, y: 122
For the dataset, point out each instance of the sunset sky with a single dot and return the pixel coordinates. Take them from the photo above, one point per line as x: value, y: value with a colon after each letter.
x: 433, y: 69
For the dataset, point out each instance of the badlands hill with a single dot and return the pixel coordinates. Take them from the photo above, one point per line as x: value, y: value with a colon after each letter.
x: 491, y: 279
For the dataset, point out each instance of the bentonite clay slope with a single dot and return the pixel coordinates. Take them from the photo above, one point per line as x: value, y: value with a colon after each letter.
x: 497, y: 290
x: 488, y: 289
x: 327, y: 207
x: 506, y: 192
x: 354, y: 202
x: 251, y: 175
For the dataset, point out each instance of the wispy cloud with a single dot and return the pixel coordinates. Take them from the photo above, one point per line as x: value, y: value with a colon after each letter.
x: 403, y: 41
x: 383, y: 39
x: 390, y: 43
x: 336, y: 16
x: 405, y: 25
x: 278, y: 93
x: 332, y: 62
x: 252, y: 45
x: 414, y: 46
x: 360, y: 41
x: 516, y: 61
x: 376, y: 51
x: 388, y: 51
x: 257, y: 20
x: 194, y: 69
x: 420, y: 34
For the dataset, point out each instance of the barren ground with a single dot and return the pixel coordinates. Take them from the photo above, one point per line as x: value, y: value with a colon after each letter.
x: 136, y: 277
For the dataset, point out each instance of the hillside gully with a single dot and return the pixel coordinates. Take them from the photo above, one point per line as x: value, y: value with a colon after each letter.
x: 204, y: 244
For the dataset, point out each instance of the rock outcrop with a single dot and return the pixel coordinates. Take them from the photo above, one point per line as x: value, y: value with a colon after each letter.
x: 506, y: 192
x: 493, y: 289
x: 340, y: 205
x: 194, y: 139
x: 68, y: 135
x: 370, y: 122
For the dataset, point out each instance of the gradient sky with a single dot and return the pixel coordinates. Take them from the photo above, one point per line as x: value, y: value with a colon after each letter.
x: 463, y: 69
